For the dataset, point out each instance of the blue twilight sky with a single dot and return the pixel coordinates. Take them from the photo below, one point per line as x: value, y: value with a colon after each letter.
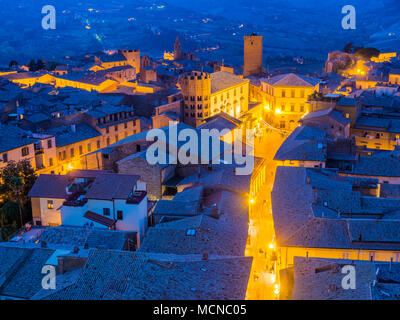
x: 308, y: 28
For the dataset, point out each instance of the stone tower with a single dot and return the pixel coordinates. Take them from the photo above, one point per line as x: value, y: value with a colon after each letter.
x: 133, y: 58
x: 177, y: 49
x: 196, y: 91
x: 253, y: 53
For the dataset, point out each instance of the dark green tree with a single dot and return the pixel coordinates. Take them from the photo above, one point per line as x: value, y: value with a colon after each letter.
x: 22, y: 170
x: 12, y: 63
x: 32, y: 65
x: 348, y: 48
x: 8, y: 213
x: 40, y: 65
x: 367, y: 53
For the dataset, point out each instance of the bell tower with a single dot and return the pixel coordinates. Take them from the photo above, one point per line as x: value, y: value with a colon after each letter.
x: 177, y: 49
x: 253, y: 53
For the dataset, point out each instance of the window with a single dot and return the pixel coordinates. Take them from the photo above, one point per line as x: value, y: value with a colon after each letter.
x: 126, y: 125
x: 282, y: 124
x: 106, y: 211
x: 116, y: 137
x: 89, y: 147
x: 80, y: 150
x: 98, y: 144
x: 62, y: 155
x: 293, y: 93
x: 292, y: 108
x: 50, y: 204
x: 72, y: 152
x: 107, y: 130
x: 5, y: 157
x: 302, y: 108
x: 302, y: 94
x: 283, y: 93
x: 191, y: 232
x: 347, y: 116
x: 108, y: 141
x: 116, y: 128
x: 120, y: 215
x: 25, y: 151
x: 49, y: 144
x: 50, y: 162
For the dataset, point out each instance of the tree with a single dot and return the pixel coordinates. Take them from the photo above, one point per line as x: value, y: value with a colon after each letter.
x: 23, y: 170
x: 40, y: 65
x: 8, y: 213
x: 17, y: 186
x: 32, y: 65
x: 367, y: 53
x: 348, y: 48
x: 13, y: 63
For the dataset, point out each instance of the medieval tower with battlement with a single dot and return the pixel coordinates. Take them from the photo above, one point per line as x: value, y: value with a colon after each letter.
x: 196, y: 91
x: 253, y: 53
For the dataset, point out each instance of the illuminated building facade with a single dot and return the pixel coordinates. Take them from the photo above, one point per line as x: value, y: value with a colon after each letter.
x: 208, y: 94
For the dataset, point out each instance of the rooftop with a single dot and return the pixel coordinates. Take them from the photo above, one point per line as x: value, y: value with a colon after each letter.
x: 222, y: 80
x: 321, y: 279
x: 12, y: 137
x: 292, y: 80
x: 316, y: 208
x: 113, y: 275
x: 304, y: 144
x: 66, y: 135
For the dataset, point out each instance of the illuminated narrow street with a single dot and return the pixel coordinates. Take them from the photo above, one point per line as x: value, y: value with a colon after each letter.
x: 263, y: 280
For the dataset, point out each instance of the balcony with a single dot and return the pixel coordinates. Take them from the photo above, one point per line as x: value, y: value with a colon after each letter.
x: 136, y: 197
x: 76, y: 199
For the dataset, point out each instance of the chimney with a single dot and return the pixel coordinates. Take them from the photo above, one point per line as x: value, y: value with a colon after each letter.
x: 205, y: 256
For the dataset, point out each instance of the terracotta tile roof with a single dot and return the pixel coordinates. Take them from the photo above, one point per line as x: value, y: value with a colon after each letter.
x: 50, y: 186
x: 99, y: 219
